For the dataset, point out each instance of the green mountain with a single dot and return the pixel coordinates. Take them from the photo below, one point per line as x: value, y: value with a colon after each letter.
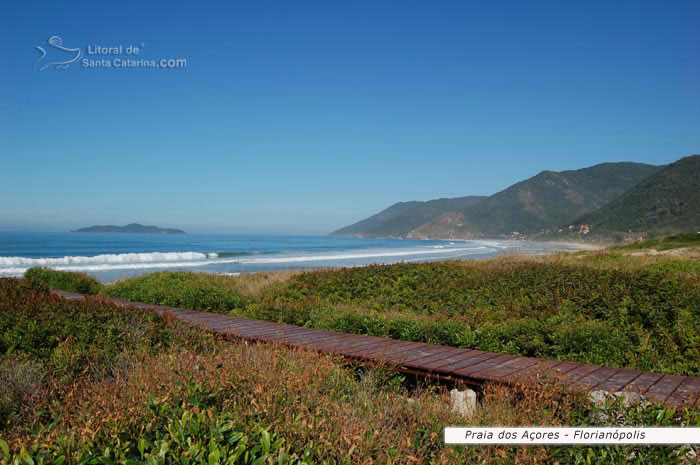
x: 666, y: 202
x: 133, y: 228
x: 543, y: 202
x: 403, y: 217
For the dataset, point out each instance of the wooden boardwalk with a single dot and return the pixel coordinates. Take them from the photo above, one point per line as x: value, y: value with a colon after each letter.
x: 449, y: 363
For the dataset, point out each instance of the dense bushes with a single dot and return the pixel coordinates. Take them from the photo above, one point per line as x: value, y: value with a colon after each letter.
x: 629, y: 318
x: 211, y: 293
x: 46, y: 342
x: 72, y: 337
x: 146, y: 392
x: 635, y: 317
x: 63, y: 280
x: 175, y: 395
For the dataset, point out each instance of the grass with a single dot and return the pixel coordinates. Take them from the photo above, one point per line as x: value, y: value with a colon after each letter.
x: 605, y: 307
x: 64, y: 280
x: 666, y: 243
x: 146, y: 390
x: 212, y: 293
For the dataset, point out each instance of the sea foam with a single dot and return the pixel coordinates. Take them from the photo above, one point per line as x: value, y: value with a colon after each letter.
x: 16, y: 266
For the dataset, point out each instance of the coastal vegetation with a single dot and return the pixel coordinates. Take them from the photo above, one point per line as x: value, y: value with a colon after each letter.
x: 63, y: 280
x: 675, y: 241
x: 88, y: 382
x: 619, y: 307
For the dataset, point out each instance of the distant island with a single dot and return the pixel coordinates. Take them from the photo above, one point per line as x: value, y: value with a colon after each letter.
x: 133, y: 228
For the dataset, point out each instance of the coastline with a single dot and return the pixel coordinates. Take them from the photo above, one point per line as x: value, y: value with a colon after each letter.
x: 111, y: 258
x: 580, y: 246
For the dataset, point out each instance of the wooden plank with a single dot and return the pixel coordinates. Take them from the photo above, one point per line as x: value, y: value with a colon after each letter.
x: 423, y: 362
x: 542, y: 370
x: 578, y: 373
x: 567, y: 367
x: 192, y: 319
x: 280, y: 335
x: 509, y: 368
x: 642, y: 383
x: 177, y: 313
x: 261, y: 329
x: 245, y: 324
x: 335, y: 344
x: 346, y: 345
x: 383, y: 350
x: 439, y: 363
x: 590, y: 381
x: 687, y: 393
x: 311, y: 338
x: 421, y: 358
x: 394, y: 354
x: 619, y: 380
x: 234, y: 323
x: 472, y: 358
x: 209, y: 320
x: 664, y: 387
x: 368, y: 351
x: 269, y: 334
x: 203, y: 316
x: 421, y: 353
x: 472, y: 370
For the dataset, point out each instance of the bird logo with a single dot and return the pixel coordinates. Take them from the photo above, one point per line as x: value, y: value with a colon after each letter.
x: 55, y: 55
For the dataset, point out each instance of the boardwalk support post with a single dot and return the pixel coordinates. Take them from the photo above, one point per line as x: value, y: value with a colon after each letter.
x: 463, y: 402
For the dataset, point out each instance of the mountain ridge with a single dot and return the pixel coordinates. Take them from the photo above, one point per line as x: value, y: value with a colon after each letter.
x: 401, y: 216
x: 665, y: 203
x: 533, y: 206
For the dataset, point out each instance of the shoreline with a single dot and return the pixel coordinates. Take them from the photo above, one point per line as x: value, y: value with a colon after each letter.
x: 586, y: 246
x: 314, y: 253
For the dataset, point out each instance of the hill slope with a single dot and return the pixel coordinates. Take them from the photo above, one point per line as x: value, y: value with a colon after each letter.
x: 403, y: 217
x: 665, y: 203
x: 545, y: 201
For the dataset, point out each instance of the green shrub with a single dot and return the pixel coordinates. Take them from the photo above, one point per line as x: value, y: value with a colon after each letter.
x: 253, y: 404
x: 186, y: 290
x: 73, y: 337
x: 63, y: 280
x: 636, y: 318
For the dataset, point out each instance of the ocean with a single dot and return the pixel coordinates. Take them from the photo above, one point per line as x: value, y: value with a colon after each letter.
x: 110, y: 257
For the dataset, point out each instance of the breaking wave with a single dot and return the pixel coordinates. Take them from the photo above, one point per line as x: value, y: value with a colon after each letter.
x: 16, y: 266
x: 107, y: 258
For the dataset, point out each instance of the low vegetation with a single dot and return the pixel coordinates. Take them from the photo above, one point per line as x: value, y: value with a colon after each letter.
x: 87, y: 382
x: 212, y: 293
x: 609, y: 307
x: 675, y: 241
x: 64, y: 280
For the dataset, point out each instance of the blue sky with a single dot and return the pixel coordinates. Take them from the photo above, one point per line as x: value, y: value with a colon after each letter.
x: 301, y: 117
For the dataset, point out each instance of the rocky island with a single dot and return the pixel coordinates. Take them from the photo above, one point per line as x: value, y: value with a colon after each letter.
x: 133, y: 228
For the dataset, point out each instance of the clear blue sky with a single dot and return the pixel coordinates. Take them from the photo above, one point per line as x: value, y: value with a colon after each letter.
x: 301, y: 117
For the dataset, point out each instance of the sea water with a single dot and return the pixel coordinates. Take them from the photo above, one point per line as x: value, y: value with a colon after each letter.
x: 110, y: 257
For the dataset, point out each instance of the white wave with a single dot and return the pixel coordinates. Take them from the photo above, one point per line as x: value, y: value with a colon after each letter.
x: 158, y: 260
x: 350, y: 256
x: 107, y: 258
x: 499, y: 245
